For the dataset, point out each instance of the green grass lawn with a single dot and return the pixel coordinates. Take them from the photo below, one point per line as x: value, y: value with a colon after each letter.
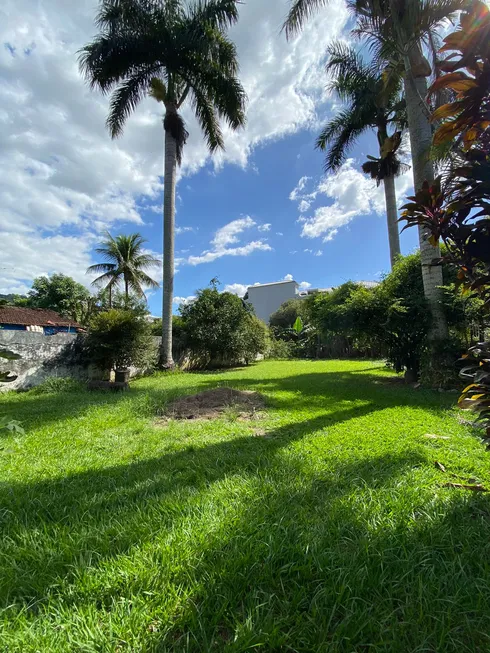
x: 324, y: 526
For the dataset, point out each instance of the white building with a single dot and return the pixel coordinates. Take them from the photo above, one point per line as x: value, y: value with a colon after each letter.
x: 266, y: 298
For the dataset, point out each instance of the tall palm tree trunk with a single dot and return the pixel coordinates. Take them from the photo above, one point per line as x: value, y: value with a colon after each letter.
x: 423, y: 170
x: 126, y: 289
x: 170, y: 177
x: 392, y: 217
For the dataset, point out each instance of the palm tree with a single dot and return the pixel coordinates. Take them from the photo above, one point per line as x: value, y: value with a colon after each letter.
x: 373, y: 102
x: 126, y: 260
x: 173, y: 51
x: 399, y: 29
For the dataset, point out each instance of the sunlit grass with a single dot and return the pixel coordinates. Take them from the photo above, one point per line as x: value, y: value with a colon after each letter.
x: 323, y: 526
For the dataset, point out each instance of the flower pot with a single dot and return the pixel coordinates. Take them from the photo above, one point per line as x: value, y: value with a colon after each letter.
x: 122, y: 376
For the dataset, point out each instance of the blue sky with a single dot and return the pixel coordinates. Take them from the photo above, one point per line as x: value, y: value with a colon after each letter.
x: 256, y: 213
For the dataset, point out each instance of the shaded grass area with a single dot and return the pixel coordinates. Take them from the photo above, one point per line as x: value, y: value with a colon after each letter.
x: 331, y: 533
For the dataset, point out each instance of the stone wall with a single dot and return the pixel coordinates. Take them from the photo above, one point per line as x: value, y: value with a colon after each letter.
x: 41, y: 357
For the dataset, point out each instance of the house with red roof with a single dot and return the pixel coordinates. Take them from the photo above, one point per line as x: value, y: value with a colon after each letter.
x: 40, y: 320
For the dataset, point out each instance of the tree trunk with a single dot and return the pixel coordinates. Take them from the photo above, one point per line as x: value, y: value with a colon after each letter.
x: 166, y: 359
x: 423, y: 170
x: 126, y: 290
x: 392, y: 218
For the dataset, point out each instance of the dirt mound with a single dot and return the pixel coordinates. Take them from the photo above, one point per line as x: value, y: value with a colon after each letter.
x: 212, y: 403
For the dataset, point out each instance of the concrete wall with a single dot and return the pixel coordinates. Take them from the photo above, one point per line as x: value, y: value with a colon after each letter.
x: 42, y: 357
x: 266, y: 299
x: 37, y: 350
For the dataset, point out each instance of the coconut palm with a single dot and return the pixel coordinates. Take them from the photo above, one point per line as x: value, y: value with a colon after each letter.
x: 173, y: 51
x: 399, y: 30
x: 126, y: 261
x: 373, y: 101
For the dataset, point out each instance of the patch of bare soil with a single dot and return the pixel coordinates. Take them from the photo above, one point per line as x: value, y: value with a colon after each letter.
x: 213, y: 403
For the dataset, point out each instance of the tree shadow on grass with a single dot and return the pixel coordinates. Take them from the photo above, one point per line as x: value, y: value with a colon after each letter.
x: 321, y: 389
x: 319, y: 570
x: 50, y: 529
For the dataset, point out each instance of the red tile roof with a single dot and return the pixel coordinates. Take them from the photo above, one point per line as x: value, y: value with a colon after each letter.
x: 33, y: 317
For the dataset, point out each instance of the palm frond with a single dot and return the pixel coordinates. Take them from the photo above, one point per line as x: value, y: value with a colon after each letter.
x: 219, y: 14
x: 101, y: 267
x: 147, y: 280
x: 146, y: 261
x: 126, y: 98
x: 338, y: 135
x: 227, y: 93
x: 299, y: 12
x: 109, y: 280
x: 208, y: 120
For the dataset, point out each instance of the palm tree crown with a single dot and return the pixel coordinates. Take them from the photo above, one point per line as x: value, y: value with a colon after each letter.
x: 168, y: 49
x: 373, y: 101
x: 126, y: 260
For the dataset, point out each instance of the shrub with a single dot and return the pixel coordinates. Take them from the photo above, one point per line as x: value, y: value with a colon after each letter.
x: 118, y: 339
x: 254, y: 338
x: 280, y: 349
x: 220, y: 330
x: 287, y: 314
x: 58, y: 384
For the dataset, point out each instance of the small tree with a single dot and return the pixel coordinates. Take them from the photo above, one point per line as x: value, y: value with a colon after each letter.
x: 118, y: 339
x: 220, y: 329
x: 59, y: 293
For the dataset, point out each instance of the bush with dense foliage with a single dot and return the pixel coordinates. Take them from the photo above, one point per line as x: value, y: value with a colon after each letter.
x: 220, y: 330
x: 392, y: 320
x: 287, y: 314
x: 117, y: 339
x: 59, y: 293
x: 291, y: 323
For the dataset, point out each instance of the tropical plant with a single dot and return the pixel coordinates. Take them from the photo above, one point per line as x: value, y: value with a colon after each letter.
x: 126, y: 261
x: 455, y: 209
x: 374, y: 101
x: 398, y: 31
x: 59, y: 293
x: 171, y: 50
x: 117, y: 339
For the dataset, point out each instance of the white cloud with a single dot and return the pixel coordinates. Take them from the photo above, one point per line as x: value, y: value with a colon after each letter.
x: 353, y: 195
x: 279, y: 233
x: 236, y: 288
x: 297, y: 192
x: 183, y: 230
x: 184, y: 300
x: 318, y: 252
x: 304, y: 205
x: 264, y: 227
x: 228, y: 234
x: 304, y: 285
x: 245, y: 250
x: 58, y: 166
x: 288, y: 277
